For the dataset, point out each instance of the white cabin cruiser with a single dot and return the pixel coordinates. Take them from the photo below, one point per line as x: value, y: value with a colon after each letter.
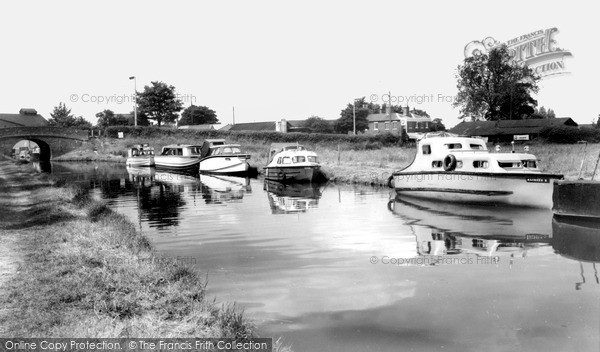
x: 461, y: 169
x: 220, y: 158
x: 140, y: 155
x: 179, y: 157
x: 291, y: 162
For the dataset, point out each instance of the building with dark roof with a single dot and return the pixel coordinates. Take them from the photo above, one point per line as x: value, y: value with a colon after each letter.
x: 414, y: 124
x: 25, y: 118
x: 509, y: 130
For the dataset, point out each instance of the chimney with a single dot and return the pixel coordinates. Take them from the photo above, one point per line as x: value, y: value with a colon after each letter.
x: 405, y: 110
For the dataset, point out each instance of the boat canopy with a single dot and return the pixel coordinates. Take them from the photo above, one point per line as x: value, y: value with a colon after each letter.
x: 279, y: 147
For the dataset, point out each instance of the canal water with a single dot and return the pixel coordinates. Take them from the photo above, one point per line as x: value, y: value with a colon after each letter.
x: 343, y: 268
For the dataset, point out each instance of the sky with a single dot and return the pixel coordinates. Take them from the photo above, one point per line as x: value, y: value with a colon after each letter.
x: 276, y: 59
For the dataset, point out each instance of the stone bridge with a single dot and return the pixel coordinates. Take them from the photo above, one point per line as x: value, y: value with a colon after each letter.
x: 49, y: 139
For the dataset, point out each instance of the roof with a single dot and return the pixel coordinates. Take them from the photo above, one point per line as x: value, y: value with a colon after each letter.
x: 25, y: 118
x: 254, y: 126
x: 227, y: 127
x: 397, y: 117
x: 382, y: 117
x: 197, y: 127
x: 509, y: 127
x: 283, y: 145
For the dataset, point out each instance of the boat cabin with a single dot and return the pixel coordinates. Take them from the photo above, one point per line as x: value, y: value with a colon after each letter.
x: 182, y: 150
x: 140, y: 150
x: 281, y: 147
x: 213, y: 147
x: 441, y: 153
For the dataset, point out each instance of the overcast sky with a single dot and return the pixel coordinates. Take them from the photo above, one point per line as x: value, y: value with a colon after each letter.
x: 276, y: 59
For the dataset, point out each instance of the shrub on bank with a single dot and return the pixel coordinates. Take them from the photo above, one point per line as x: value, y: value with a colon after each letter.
x: 569, y: 135
x: 384, y: 139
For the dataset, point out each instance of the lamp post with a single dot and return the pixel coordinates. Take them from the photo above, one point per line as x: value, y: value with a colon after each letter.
x: 354, y: 116
x: 135, y: 103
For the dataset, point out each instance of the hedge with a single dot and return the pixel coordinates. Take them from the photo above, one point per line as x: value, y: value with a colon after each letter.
x: 569, y: 135
x: 384, y: 139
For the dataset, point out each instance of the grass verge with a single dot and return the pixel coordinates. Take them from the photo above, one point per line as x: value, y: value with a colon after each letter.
x: 86, y: 272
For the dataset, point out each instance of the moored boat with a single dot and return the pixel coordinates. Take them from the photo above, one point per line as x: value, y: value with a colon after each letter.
x: 140, y: 155
x: 291, y: 162
x: 461, y: 169
x: 181, y: 157
x: 217, y: 157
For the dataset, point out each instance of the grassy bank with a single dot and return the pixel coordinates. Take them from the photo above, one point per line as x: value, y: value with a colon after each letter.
x: 352, y: 162
x: 86, y: 272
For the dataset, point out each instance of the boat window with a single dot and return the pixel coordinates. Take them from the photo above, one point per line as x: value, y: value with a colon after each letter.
x: 436, y: 164
x: 313, y: 159
x: 529, y: 164
x: 215, y: 151
x: 278, y: 160
x: 287, y: 160
x: 235, y: 150
x: 196, y: 150
x: 454, y: 146
x: 299, y: 159
x: 167, y: 151
x: 227, y: 150
x: 480, y: 164
x: 426, y: 149
x: 476, y: 146
x: 509, y: 164
x: 179, y: 151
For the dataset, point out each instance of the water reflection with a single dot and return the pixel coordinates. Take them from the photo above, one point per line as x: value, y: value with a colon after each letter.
x: 224, y: 189
x: 292, y: 198
x: 450, y: 229
x: 578, y: 240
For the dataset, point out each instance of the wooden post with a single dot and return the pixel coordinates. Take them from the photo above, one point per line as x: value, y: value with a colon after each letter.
x: 582, y: 161
x: 596, y: 168
x: 338, y: 154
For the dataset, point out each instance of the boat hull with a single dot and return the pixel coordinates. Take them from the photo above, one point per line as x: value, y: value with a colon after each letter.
x: 224, y: 165
x: 140, y: 161
x: 527, y: 190
x: 176, y: 162
x: 292, y: 174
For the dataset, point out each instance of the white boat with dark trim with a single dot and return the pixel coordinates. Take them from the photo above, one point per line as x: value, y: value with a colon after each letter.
x: 179, y: 157
x: 140, y: 155
x: 292, y: 163
x: 217, y: 157
x: 461, y: 169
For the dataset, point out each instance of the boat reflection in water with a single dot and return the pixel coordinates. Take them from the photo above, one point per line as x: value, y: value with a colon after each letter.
x: 483, y: 231
x: 141, y: 176
x: 224, y: 189
x: 292, y: 198
x: 578, y: 240
x: 42, y: 166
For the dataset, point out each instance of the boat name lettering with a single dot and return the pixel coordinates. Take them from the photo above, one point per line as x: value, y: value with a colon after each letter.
x: 538, y: 180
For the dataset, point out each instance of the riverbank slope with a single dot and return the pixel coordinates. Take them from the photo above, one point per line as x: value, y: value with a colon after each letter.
x: 71, y: 267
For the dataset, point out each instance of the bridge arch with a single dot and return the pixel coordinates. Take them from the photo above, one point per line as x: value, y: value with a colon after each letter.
x: 49, y: 139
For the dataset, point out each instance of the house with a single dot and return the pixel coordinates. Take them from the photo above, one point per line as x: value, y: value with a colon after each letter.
x: 414, y: 124
x: 509, y: 130
x: 25, y: 118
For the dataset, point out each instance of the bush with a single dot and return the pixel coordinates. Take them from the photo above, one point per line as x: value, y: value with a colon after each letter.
x: 570, y: 135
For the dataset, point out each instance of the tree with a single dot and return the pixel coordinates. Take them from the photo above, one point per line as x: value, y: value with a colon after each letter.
x: 317, y: 124
x: 61, y: 117
x: 197, y: 115
x: 494, y: 87
x: 437, y: 125
x: 345, y: 122
x: 159, y: 103
x: 543, y: 114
